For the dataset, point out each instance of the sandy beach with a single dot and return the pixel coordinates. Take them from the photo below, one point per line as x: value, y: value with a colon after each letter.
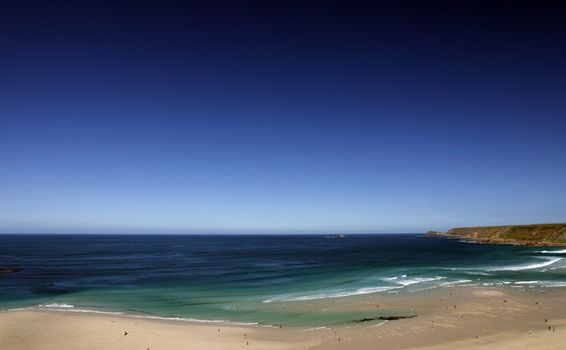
x: 452, y: 318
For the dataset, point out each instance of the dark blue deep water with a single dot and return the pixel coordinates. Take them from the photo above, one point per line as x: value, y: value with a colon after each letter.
x: 249, y: 278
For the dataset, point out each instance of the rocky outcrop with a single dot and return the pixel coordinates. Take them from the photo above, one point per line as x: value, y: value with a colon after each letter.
x: 384, y: 318
x: 536, y: 235
x: 433, y: 233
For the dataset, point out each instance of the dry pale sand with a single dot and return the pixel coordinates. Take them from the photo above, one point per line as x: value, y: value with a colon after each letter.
x: 453, y: 318
x: 63, y: 330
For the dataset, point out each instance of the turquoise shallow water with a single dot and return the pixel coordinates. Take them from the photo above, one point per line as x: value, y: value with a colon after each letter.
x: 250, y: 278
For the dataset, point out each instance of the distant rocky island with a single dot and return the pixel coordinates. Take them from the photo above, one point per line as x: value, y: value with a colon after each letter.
x: 536, y: 235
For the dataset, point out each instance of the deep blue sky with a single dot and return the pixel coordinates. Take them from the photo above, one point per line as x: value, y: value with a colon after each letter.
x: 281, y: 116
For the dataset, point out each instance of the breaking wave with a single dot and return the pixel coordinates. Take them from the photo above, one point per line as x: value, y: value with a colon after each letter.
x: 525, y: 266
x: 342, y: 294
x: 560, y: 251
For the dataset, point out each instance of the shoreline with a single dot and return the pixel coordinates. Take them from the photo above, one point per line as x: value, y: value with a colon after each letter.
x: 396, y: 305
x: 512, y: 242
x: 187, y: 320
x: 534, y: 235
x: 466, y: 317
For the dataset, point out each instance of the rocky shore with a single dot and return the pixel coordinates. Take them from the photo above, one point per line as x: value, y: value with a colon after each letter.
x: 533, y: 235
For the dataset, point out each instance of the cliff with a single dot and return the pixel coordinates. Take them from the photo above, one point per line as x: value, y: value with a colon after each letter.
x: 538, y: 234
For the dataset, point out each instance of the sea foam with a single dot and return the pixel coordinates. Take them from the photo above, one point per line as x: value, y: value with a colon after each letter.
x: 360, y: 291
x: 525, y: 266
x: 393, y: 278
x: 454, y: 282
x: 560, y: 251
x: 416, y: 280
x: 58, y: 305
x: 61, y: 307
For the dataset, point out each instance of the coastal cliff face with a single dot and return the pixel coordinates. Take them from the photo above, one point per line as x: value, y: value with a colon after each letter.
x: 539, y: 234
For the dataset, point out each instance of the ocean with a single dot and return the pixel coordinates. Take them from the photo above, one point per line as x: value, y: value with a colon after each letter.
x: 264, y: 279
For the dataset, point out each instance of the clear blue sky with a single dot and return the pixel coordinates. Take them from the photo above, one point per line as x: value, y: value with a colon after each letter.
x: 282, y: 117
